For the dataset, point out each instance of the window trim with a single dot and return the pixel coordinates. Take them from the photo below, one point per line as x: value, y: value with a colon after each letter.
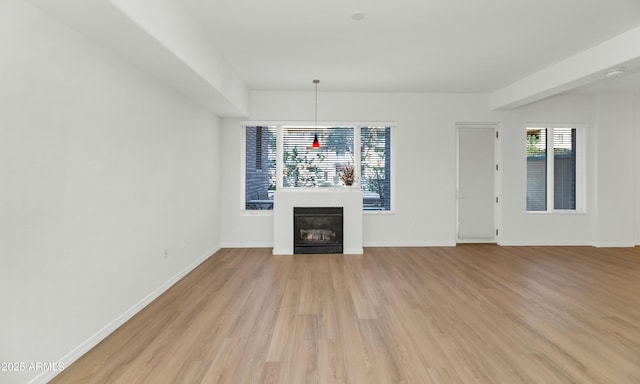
x: 581, y: 148
x: 279, y: 125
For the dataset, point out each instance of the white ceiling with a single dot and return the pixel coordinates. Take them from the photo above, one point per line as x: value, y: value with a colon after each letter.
x: 406, y: 45
x: 516, y: 51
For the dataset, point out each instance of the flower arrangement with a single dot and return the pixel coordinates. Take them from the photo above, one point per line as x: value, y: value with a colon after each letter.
x: 347, y: 175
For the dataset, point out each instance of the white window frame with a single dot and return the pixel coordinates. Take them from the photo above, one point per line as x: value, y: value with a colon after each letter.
x: 280, y: 125
x: 581, y: 147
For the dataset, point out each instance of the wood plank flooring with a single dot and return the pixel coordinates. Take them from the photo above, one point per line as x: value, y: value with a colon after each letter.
x: 466, y: 314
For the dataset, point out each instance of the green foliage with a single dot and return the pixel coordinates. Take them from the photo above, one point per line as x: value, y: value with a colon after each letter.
x: 299, y: 169
x: 533, y: 149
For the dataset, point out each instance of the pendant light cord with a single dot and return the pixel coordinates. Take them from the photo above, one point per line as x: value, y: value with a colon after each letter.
x: 316, y: 143
x: 316, y: 115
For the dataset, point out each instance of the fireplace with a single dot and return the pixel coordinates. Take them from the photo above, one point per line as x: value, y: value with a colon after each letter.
x: 286, y: 199
x: 317, y: 230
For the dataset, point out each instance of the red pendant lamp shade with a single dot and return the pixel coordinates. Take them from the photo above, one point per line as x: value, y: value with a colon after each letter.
x: 316, y: 143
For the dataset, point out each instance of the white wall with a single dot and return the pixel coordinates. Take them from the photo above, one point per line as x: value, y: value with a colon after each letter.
x: 424, y: 160
x: 102, y: 169
x: 615, y: 170
x: 522, y: 228
x: 612, y: 167
x: 423, y: 156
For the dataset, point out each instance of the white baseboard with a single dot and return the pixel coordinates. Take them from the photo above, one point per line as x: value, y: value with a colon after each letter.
x: 541, y: 244
x: 91, y: 342
x: 247, y: 245
x: 411, y: 244
x: 615, y: 244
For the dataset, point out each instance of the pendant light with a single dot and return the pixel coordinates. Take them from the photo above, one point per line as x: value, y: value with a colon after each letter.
x: 316, y: 143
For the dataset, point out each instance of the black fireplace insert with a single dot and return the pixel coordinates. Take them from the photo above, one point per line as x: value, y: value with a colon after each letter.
x: 317, y: 230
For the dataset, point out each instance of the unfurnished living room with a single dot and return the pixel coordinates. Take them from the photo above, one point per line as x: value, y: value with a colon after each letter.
x: 229, y: 191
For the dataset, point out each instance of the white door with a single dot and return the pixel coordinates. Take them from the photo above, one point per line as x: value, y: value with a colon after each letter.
x: 476, y: 183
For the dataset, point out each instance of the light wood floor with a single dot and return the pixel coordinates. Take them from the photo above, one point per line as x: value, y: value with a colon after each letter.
x: 466, y: 314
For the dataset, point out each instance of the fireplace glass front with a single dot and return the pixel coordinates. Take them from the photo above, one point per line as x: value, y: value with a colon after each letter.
x: 317, y: 230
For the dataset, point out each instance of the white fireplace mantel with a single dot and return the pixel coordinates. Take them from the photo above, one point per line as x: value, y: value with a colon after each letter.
x: 285, y: 199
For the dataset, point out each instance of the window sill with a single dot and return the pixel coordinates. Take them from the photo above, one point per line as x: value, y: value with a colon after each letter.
x: 378, y: 212
x: 558, y: 212
x: 257, y: 212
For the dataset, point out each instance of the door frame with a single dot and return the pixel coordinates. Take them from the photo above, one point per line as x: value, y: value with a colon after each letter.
x: 497, y: 181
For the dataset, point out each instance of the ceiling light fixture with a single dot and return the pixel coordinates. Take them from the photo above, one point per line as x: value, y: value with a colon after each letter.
x: 615, y: 72
x: 358, y: 16
x: 316, y: 143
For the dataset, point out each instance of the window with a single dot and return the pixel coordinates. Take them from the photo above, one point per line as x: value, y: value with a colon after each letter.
x: 260, y: 167
x: 375, y: 167
x: 282, y: 156
x: 304, y: 166
x: 553, y: 169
